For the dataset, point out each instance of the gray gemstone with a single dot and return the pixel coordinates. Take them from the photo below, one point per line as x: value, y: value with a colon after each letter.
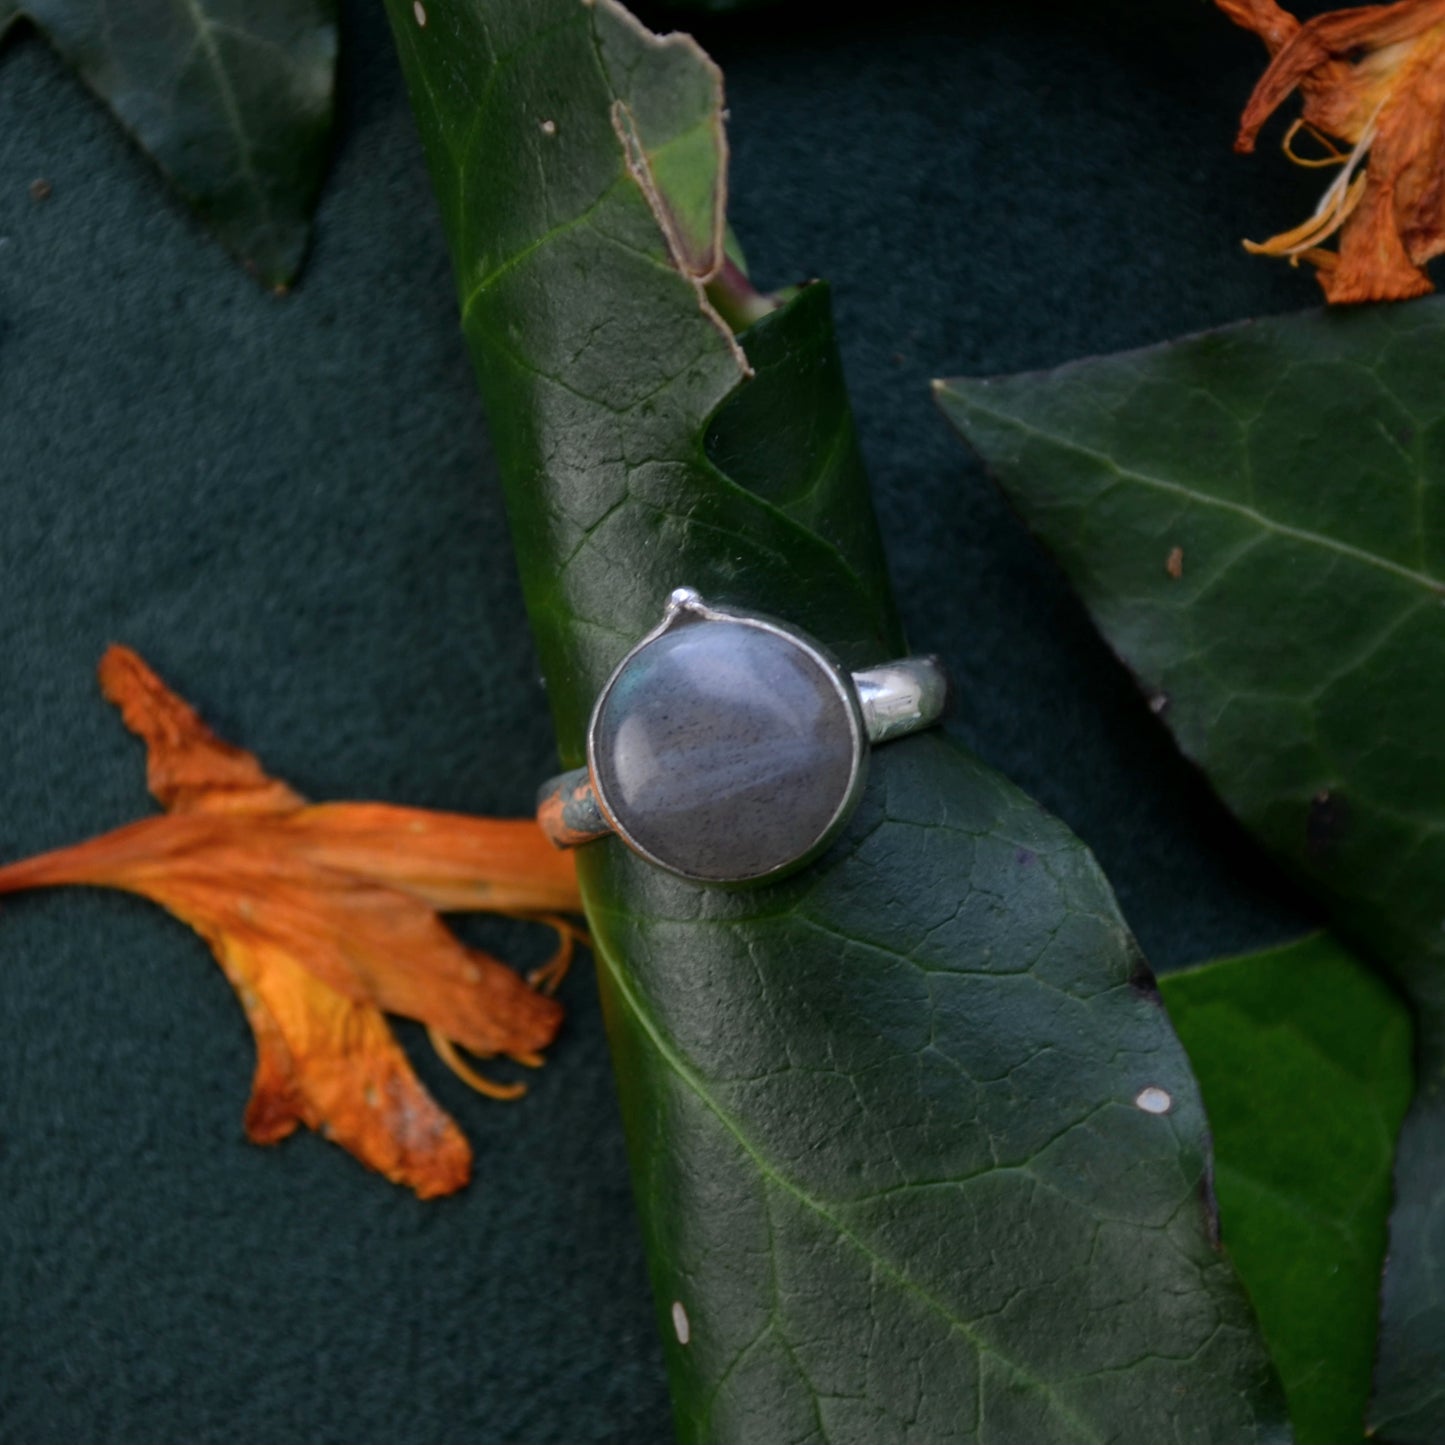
x: 725, y: 750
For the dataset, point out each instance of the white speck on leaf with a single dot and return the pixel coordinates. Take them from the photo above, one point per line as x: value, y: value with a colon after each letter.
x: 419, y: 10
x: 1153, y: 1100
x: 680, y: 1322
x: 549, y: 127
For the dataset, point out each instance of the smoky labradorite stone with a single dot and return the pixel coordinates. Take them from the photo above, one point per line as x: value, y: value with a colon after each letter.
x: 724, y: 750
x: 729, y: 747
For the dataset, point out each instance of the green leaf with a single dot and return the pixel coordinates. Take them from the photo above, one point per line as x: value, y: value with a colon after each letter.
x: 232, y: 102
x: 893, y: 1180
x: 1299, y: 656
x: 1303, y: 1058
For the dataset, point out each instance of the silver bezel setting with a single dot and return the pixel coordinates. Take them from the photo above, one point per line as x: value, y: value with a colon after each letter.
x: 685, y: 608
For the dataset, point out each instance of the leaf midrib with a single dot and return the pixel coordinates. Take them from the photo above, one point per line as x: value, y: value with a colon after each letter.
x: 226, y: 90
x: 689, y: 1077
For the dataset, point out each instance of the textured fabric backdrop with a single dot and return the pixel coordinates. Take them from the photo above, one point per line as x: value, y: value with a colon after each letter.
x: 289, y: 507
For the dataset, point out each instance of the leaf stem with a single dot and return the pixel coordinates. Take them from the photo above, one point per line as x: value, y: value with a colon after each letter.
x: 736, y: 299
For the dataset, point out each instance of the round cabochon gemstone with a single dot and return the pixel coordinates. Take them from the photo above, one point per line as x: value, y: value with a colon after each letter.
x: 725, y: 750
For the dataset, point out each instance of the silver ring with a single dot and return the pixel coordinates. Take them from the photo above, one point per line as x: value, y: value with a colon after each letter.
x: 729, y: 747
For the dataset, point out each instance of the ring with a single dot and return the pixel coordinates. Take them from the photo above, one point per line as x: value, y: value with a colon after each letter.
x: 729, y: 747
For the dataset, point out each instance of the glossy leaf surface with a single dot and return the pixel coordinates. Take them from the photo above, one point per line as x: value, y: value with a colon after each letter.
x: 232, y: 101
x: 1303, y: 1058
x: 893, y: 1180
x: 1256, y: 519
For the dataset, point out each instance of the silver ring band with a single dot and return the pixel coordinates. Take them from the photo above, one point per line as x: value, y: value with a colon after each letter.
x: 729, y: 747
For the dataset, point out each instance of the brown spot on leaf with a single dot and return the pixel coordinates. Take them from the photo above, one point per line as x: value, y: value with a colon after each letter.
x: 1207, y: 1196
x: 1174, y: 563
x: 1325, y: 822
x: 41, y: 189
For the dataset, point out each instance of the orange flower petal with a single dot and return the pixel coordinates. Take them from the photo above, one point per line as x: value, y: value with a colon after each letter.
x: 369, y: 943
x: 241, y: 877
x: 1373, y: 264
x: 333, y: 1065
x: 1410, y: 150
x: 452, y: 861
x: 1272, y: 24
x: 188, y: 767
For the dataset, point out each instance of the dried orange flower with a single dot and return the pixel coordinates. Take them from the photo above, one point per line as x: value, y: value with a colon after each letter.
x: 1373, y: 80
x: 324, y: 917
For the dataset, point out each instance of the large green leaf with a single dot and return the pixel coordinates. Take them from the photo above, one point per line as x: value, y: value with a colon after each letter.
x: 1298, y: 467
x: 1303, y: 1058
x: 893, y: 1178
x: 232, y: 100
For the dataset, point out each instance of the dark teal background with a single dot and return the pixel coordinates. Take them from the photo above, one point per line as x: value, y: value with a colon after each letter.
x: 289, y: 506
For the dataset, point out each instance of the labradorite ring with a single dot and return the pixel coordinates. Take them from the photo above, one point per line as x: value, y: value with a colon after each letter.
x: 729, y: 747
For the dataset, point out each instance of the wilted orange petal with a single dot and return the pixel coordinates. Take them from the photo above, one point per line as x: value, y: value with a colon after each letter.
x: 1307, y: 57
x: 333, y: 1065
x: 454, y: 862
x: 1373, y: 265
x: 244, y: 878
x: 372, y: 944
x: 1410, y: 151
x: 133, y: 852
x: 188, y: 768
x: 1272, y: 24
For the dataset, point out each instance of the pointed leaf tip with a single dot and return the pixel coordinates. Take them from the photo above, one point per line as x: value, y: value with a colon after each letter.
x: 233, y: 103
